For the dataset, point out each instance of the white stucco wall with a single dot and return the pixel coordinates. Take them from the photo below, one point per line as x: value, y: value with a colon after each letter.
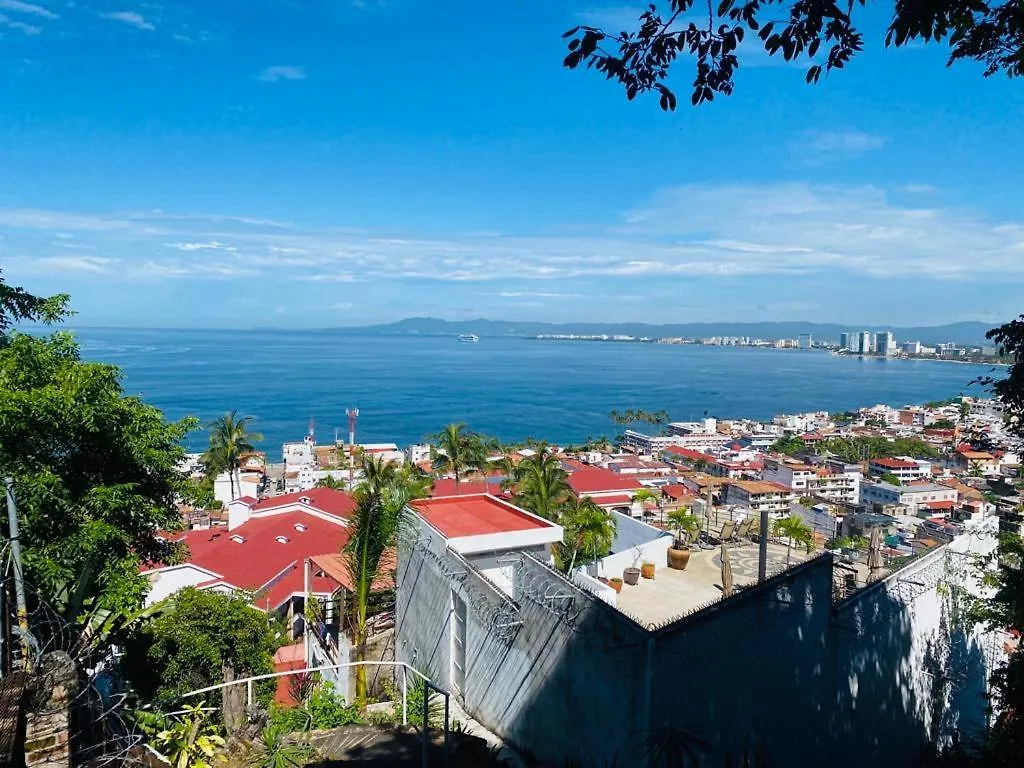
x: 166, y: 582
x: 655, y: 551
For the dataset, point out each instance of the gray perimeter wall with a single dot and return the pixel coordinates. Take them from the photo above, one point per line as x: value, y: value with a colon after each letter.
x: 776, y: 670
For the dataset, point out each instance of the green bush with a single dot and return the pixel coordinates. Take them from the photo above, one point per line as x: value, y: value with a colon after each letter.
x: 323, y: 709
x: 329, y: 710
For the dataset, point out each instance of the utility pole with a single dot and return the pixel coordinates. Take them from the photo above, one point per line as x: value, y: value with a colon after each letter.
x: 19, y: 576
x: 353, y: 415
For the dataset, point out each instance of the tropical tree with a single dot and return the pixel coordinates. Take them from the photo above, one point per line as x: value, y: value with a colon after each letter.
x: 330, y: 481
x: 230, y: 441
x: 589, y: 532
x: 889, y: 477
x: 202, y: 638
x: 789, y: 445
x: 644, y: 495
x: 641, y: 58
x: 685, y: 524
x: 95, y: 473
x: 457, y: 451
x: 380, y: 515
x: 795, y: 531
x: 541, y: 484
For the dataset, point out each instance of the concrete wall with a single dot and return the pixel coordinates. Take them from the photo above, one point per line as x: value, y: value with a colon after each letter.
x: 778, y: 667
x: 166, y: 582
x: 597, y: 588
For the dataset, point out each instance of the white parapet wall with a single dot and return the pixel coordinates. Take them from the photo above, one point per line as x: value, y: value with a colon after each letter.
x: 597, y: 588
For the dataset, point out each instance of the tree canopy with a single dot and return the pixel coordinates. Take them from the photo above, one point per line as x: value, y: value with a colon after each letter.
x: 189, y: 645
x: 95, y: 472
x: 822, y: 33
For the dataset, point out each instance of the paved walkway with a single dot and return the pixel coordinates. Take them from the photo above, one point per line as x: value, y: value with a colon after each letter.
x: 674, y: 593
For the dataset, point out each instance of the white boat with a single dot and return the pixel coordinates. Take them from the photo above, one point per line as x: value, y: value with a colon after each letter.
x: 469, y: 338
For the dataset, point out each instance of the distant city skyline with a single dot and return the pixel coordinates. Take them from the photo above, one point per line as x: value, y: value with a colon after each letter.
x: 185, y: 165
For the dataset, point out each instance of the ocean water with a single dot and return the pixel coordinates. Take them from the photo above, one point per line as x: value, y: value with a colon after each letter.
x: 407, y: 387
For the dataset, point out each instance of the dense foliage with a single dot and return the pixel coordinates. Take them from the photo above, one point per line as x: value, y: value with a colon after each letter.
x: 789, y: 445
x: 589, y: 533
x: 193, y: 643
x: 380, y: 516
x: 95, y: 472
x: 540, y: 484
x: 820, y: 32
x: 854, y: 449
x: 457, y: 451
x: 230, y: 442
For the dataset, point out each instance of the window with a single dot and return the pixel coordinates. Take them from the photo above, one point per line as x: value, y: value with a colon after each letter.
x: 300, y: 527
x: 281, y: 539
x: 238, y: 539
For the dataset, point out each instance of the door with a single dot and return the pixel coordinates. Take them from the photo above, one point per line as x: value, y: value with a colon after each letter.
x: 458, y: 681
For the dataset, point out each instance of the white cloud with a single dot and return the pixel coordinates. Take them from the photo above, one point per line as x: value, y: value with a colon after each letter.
x: 28, y: 29
x: 90, y: 264
x: 279, y: 73
x: 341, y: 305
x: 723, y: 231
x: 213, y: 245
x: 29, y: 8
x: 818, y: 145
x: 131, y: 18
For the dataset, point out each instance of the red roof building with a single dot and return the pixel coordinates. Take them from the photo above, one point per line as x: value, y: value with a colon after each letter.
x: 264, y: 553
x: 484, y: 523
x: 597, y: 482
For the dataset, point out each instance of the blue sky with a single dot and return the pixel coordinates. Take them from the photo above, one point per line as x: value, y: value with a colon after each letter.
x: 320, y: 163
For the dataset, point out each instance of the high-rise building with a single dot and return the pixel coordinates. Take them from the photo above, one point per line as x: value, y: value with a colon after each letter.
x: 845, y: 341
x: 885, y: 343
x: 804, y: 341
x: 865, y: 342
x: 911, y: 347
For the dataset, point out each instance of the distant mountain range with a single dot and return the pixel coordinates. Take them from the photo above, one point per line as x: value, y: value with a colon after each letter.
x: 960, y: 333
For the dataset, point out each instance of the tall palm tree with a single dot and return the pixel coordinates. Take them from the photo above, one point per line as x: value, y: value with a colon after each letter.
x: 795, y: 531
x: 541, y: 485
x: 589, y: 531
x: 457, y: 451
x: 644, y: 495
x: 230, y: 440
x: 381, y: 514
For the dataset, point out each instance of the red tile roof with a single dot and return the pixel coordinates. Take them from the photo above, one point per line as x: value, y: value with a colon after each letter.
x: 445, y: 486
x: 687, y: 453
x: 588, y: 480
x: 615, y: 500
x: 261, y: 563
x: 477, y: 515
x: 329, y: 500
x: 895, y: 463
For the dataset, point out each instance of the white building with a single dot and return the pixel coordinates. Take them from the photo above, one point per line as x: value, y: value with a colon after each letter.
x: 924, y: 498
x: 865, y: 342
x: 904, y: 468
x: 911, y: 347
x: 418, y: 453
x: 646, y: 444
x: 804, y: 341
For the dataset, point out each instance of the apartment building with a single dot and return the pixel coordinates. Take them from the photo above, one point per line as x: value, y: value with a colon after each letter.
x: 905, y: 469
x: 758, y: 495
x: 918, y: 498
x: 808, y: 480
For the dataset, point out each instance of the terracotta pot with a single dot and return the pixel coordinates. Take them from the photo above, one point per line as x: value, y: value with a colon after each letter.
x: 631, y: 576
x: 615, y: 584
x: 647, y: 570
x: 678, y: 558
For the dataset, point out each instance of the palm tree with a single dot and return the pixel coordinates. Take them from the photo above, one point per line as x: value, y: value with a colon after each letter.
x: 685, y: 524
x: 230, y: 440
x: 381, y: 514
x: 457, y: 451
x: 589, y: 531
x: 541, y: 485
x: 796, y: 531
x: 644, y: 495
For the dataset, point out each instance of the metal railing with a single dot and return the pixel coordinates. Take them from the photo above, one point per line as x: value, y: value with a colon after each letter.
x: 428, y: 684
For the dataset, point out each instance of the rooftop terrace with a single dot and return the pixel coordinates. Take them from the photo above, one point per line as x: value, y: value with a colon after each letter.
x: 674, y: 593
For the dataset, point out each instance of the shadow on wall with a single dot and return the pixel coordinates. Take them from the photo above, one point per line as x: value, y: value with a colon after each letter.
x: 773, y: 674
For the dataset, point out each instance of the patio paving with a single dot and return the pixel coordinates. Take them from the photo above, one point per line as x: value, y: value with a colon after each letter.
x: 672, y: 593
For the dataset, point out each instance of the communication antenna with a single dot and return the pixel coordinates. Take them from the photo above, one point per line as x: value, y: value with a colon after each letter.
x: 353, y: 416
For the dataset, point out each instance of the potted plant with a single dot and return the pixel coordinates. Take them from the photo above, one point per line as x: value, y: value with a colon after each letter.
x: 686, y: 526
x: 647, y: 569
x: 615, y: 583
x: 631, y: 575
